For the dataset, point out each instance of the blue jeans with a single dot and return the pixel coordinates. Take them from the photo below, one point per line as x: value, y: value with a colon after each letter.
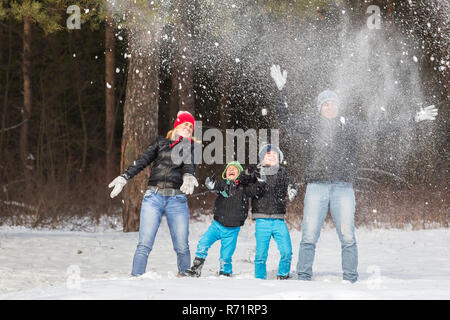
x: 265, y: 229
x: 177, y: 213
x: 228, y: 238
x: 340, y: 197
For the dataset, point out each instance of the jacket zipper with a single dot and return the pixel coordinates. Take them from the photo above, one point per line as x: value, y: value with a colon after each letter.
x: 165, y: 178
x: 228, y: 204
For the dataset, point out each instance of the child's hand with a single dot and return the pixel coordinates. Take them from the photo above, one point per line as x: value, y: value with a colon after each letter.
x: 292, y: 192
x: 261, y: 175
x: 246, y: 178
x: 210, y: 182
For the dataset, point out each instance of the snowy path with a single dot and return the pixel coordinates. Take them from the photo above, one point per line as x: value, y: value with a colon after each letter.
x: 393, y: 264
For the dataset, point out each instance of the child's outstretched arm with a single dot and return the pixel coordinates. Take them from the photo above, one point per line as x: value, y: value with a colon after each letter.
x: 213, y: 185
x: 289, y: 186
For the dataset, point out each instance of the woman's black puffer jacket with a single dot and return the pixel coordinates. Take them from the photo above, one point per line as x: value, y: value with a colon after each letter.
x: 165, y: 173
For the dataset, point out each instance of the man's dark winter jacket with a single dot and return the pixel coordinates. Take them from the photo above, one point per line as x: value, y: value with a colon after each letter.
x: 332, y: 144
x: 231, y: 206
x: 165, y: 173
x: 272, y: 204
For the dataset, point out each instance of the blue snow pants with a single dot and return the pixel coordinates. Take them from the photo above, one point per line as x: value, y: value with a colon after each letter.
x: 265, y: 229
x: 228, y: 237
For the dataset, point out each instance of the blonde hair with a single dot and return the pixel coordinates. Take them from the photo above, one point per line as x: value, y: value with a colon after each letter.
x: 170, y: 134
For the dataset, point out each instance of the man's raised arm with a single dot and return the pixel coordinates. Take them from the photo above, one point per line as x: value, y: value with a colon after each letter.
x: 288, y: 121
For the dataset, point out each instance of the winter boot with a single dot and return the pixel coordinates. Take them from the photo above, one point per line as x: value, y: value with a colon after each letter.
x: 196, y: 268
x: 221, y: 273
x: 282, y: 277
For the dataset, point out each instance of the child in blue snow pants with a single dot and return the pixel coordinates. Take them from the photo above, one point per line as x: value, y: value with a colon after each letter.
x: 269, y: 212
x: 230, y: 212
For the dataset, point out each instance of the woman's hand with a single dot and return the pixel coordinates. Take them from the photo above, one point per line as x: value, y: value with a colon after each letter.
x: 118, y: 183
x: 189, y: 183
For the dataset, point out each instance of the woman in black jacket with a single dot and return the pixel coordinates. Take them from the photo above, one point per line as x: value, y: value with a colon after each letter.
x: 171, y: 178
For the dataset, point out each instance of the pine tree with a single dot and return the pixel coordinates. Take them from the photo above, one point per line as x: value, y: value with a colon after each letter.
x: 30, y: 12
x: 140, y: 125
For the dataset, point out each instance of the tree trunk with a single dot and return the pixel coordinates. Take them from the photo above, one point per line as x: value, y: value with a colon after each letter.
x: 357, y: 13
x: 27, y: 94
x: 183, y: 57
x: 173, y: 99
x: 79, y: 93
x: 5, y: 89
x: 140, y: 117
x: 110, y: 102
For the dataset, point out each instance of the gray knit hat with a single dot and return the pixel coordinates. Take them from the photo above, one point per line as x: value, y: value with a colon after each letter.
x: 269, y: 147
x: 325, y: 96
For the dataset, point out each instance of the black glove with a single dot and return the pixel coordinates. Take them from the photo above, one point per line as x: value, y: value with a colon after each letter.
x: 246, y: 179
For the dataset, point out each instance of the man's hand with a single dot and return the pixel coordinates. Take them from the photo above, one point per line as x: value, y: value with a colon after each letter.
x: 189, y: 183
x: 278, y: 77
x: 429, y: 113
x: 118, y: 183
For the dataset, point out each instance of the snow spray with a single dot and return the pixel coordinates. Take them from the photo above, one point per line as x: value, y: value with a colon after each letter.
x: 374, y: 69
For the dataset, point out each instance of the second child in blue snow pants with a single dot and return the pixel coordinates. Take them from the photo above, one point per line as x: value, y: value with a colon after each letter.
x: 228, y: 237
x: 265, y: 229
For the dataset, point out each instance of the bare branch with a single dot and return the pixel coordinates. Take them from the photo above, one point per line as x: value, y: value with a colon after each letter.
x: 14, y: 126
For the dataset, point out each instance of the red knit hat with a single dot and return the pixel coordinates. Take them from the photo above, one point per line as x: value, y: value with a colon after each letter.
x: 182, y: 117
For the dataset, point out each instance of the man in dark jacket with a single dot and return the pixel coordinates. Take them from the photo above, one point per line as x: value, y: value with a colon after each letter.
x: 230, y: 213
x: 331, y: 170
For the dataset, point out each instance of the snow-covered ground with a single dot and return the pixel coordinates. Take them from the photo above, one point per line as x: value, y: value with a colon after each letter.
x: 48, y: 264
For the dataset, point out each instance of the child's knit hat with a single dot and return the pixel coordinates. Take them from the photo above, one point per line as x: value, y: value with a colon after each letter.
x: 270, y: 147
x: 232, y: 163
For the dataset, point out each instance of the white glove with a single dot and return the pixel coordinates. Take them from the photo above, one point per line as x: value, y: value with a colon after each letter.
x: 277, y: 76
x: 261, y: 177
x: 118, y: 184
x: 292, y: 192
x: 429, y: 113
x: 189, y: 182
x: 210, y: 183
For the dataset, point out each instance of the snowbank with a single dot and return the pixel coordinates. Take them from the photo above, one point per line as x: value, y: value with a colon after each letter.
x: 59, y: 264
